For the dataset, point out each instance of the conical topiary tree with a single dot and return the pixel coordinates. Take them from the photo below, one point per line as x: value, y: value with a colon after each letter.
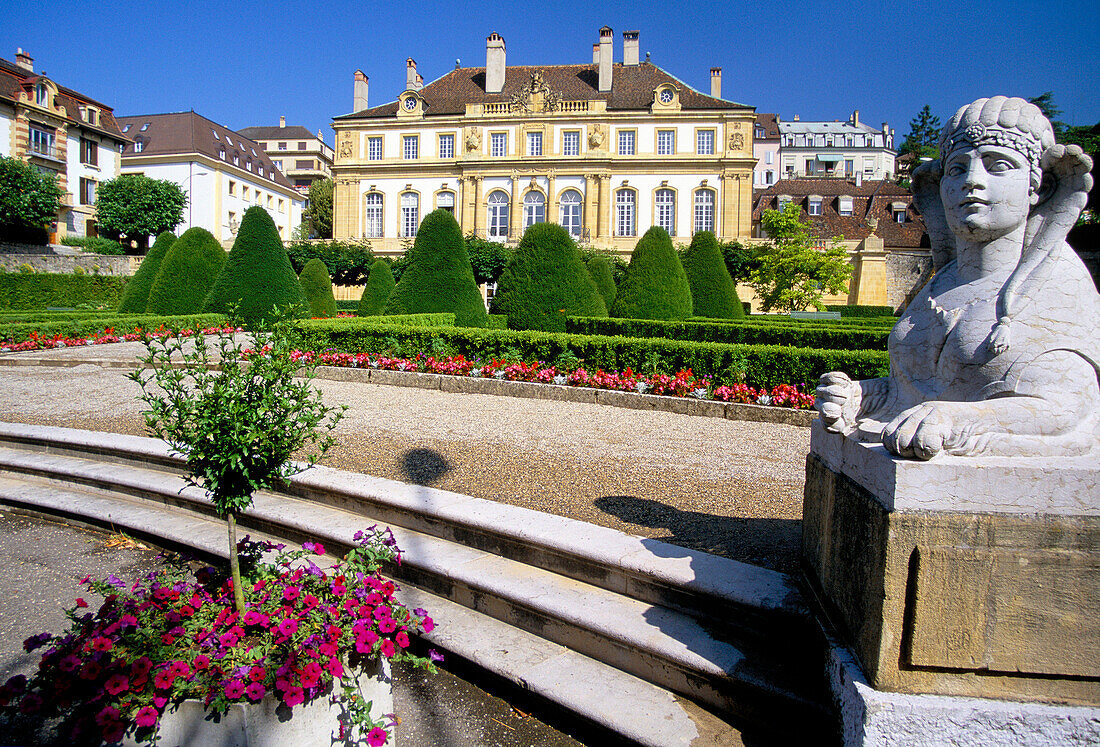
x: 546, y: 281
x: 135, y: 296
x: 317, y: 288
x: 439, y: 278
x: 377, y: 291
x: 713, y: 294
x: 187, y: 273
x: 655, y: 286
x: 599, y: 267
x: 257, y: 277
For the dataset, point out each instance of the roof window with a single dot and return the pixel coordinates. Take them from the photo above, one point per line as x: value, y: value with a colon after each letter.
x: 145, y: 127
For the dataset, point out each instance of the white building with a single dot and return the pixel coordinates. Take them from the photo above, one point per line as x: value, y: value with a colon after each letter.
x: 222, y: 173
x: 836, y: 149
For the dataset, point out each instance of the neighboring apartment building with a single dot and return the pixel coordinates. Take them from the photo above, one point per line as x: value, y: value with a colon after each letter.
x: 301, y: 156
x: 605, y: 149
x: 875, y: 220
x: 222, y: 173
x: 765, y: 149
x: 59, y: 132
x: 836, y: 149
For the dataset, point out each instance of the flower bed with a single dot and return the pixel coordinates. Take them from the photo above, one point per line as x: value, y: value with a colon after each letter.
x: 173, y: 636
x: 107, y: 335
x: 683, y: 384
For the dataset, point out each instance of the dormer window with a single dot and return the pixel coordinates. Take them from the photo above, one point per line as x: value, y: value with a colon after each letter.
x: 145, y: 127
x: 215, y: 134
x: 42, y: 94
x: 221, y: 153
x: 759, y: 133
x: 126, y: 128
x: 784, y: 201
x: 139, y: 146
x: 844, y: 206
x: 90, y: 115
x: 898, y: 210
x: 814, y: 205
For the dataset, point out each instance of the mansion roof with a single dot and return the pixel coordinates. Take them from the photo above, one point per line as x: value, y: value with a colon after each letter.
x: 825, y: 128
x: 631, y: 89
x: 293, y: 132
x: 186, y: 133
x: 873, y: 199
x: 770, y: 123
x: 15, y: 79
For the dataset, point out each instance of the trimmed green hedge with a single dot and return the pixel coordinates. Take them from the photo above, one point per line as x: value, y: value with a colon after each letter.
x: 317, y: 288
x: 41, y: 290
x: 757, y: 365
x: 377, y: 291
x: 95, y: 244
x: 186, y: 274
x: 858, y: 310
x: 443, y: 319
x: 746, y: 333
x: 347, y: 305
x: 122, y: 325
x: 599, y: 267
x: 655, y: 286
x: 713, y: 293
x: 135, y: 299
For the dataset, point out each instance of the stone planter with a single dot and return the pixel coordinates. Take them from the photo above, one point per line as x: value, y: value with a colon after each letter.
x: 270, y: 724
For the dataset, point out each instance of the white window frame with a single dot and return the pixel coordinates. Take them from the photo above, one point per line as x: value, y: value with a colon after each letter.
x: 534, y: 143
x: 666, y: 142
x: 445, y: 200
x: 497, y: 214
x: 813, y: 206
x: 42, y: 142
x: 704, y: 142
x: 374, y: 148
x: 845, y: 206
x: 534, y: 208
x: 571, y: 143
x: 664, y: 202
x: 498, y: 144
x: 626, y: 212
x: 703, y: 202
x: 447, y: 145
x: 410, y: 148
x: 410, y: 214
x: 374, y: 215
x: 571, y: 212
x: 628, y: 142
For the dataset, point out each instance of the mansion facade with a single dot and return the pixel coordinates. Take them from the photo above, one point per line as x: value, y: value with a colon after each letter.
x: 605, y: 149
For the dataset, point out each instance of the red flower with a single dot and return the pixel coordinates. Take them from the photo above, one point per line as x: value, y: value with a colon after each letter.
x: 388, y: 649
x: 377, y: 737
x: 234, y: 689
x: 255, y: 691
x: 257, y: 674
x: 311, y: 674
x: 80, y: 603
x: 164, y: 679
x: 146, y: 717
x: 202, y: 662
x: 294, y: 695
x: 402, y: 639
x: 116, y: 684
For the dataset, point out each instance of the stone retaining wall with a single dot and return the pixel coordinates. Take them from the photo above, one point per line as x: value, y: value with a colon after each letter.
x: 92, y: 264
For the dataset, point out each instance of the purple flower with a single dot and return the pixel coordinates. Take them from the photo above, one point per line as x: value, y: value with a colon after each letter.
x: 146, y: 717
x: 36, y: 641
x: 234, y: 689
x: 435, y: 655
x: 255, y: 691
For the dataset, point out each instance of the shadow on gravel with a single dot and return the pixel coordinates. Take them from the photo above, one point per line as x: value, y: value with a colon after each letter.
x: 771, y: 543
x: 424, y: 466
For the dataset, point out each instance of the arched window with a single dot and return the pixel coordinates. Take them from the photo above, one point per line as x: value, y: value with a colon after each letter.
x: 704, y: 210
x: 666, y: 210
x: 410, y: 213
x: 571, y: 212
x: 42, y: 94
x: 534, y: 209
x: 498, y: 215
x: 626, y: 223
x: 445, y: 201
x: 372, y: 215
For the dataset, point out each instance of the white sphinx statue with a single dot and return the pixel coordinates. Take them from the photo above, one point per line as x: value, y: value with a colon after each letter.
x: 998, y: 354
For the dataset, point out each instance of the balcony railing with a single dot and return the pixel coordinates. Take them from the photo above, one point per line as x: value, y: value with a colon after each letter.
x: 45, y: 151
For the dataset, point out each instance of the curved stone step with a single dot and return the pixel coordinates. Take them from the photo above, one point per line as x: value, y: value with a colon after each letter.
x: 614, y: 700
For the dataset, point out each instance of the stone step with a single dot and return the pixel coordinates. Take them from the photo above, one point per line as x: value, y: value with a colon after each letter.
x: 614, y: 700
x: 659, y: 644
x: 724, y: 592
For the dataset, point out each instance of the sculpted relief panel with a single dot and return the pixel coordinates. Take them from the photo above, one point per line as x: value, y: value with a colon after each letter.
x: 999, y: 353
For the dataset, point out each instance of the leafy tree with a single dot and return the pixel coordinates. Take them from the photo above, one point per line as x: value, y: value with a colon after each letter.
x: 319, y: 213
x: 1088, y: 138
x: 257, y: 278
x: 186, y: 274
x: 740, y: 261
x: 139, y: 207
x: 317, y: 288
x: 924, y: 134
x: 655, y: 286
x: 599, y: 267
x: 793, y: 274
x: 487, y: 258
x: 236, y: 424
x: 713, y: 294
x: 546, y: 281
x: 29, y: 201
x: 439, y: 277
x: 377, y: 292
x: 1045, y: 102
x: 348, y: 262
x: 135, y: 296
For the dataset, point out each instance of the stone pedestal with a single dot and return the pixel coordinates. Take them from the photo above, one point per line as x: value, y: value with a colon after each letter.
x: 960, y: 576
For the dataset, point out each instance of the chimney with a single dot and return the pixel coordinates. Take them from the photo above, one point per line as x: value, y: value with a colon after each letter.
x: 596, y: 54
x: 495, y: 63
x: 795, y: 117
x: 419, y: 81
x: 605, y: 58
x: 716, y: 82
x: 859, y: 178
x: 24, y: 60
x: 410, y: 74
x: 360, y: 92
x: 855, y: 117
x: 282, y: 121
x: 630, y: 47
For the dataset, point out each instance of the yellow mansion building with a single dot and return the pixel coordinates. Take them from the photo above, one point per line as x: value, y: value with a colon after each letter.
x: 605, y: 149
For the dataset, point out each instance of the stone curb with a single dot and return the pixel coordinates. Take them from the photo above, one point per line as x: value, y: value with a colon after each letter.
x: 524, y: 389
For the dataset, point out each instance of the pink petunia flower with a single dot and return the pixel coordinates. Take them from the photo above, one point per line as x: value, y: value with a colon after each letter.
x: 164, y: 679
x: 257, y: 674
x: 202, y: 662
x: 387, y: 648
x: 291, y: 593
x: 234, y: 689
x: 255, y: 691
x: 377, y: 737
x: 402, y: 639
x: 387, y: 625
x: 294, y: 695
x: 146, y: 717
x: 116, y: 684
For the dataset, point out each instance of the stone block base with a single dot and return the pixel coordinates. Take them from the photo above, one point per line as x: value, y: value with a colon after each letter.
x: 873, y: 718
x: 960, y: 577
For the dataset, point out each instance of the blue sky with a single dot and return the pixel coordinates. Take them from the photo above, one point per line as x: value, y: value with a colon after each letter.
x: 245, y: 63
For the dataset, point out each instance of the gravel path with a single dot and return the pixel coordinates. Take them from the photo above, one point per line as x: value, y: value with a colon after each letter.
x: 727, y: 487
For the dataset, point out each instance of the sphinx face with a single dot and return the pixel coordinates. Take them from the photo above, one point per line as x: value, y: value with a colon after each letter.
x: 986, y: 191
